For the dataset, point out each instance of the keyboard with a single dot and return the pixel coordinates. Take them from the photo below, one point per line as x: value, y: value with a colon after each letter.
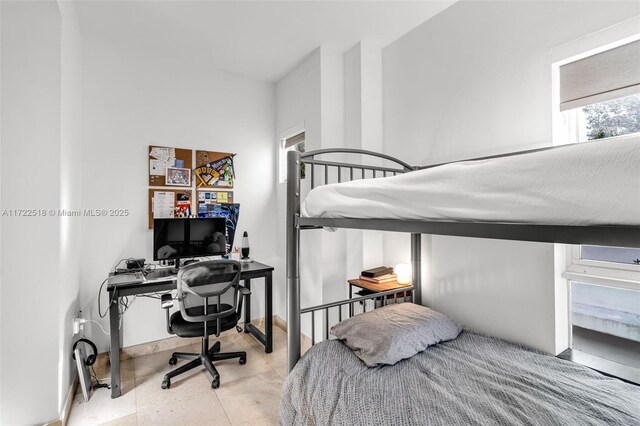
x: 133, y: 277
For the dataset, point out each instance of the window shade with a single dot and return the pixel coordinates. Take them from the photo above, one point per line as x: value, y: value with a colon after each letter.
x: 294, y: 140
x: 607, y: 75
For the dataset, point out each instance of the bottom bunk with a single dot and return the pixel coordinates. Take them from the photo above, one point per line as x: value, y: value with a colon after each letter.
x: 472, y: 379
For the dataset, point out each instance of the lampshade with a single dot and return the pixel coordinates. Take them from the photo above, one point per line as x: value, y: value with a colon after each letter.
x: 404, y: 273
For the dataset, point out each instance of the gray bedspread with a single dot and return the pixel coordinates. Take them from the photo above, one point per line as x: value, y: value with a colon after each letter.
x: 473, y: 380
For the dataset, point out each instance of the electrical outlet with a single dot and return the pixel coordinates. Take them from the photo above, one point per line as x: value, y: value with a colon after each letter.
x: 78, y: 324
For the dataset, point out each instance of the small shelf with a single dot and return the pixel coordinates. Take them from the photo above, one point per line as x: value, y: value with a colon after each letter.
x: 375, y: 287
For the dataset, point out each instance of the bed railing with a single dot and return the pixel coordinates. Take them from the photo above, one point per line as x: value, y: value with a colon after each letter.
x: 379, y: 300
x: 344, y: 171
x: 308, y: 158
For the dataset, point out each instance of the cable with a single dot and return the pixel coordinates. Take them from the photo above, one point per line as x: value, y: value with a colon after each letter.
x: 98, y: 384
x: 99, y: 297
x: 99, y: 325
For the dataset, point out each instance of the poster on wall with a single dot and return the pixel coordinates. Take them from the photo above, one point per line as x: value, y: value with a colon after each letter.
x: 207, y: 198
x: 214, y: 169
x: 169, y: 166
x: 169, y: 204
x: 230, y: 211
x: 183, y: 204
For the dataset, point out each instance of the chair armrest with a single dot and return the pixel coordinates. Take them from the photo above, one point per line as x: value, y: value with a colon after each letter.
x: 166, y: 301
x: 243, y: 293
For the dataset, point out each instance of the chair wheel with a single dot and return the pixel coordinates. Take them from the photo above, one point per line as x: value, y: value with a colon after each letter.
x: 215, y: 384
x: 166, y: 384
x: 173, y: 360
x: 242, y: 360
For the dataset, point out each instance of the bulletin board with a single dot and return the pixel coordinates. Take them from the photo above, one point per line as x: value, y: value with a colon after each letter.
x: 214, y: 169
x: 169, y: 203
x: 177, y: 160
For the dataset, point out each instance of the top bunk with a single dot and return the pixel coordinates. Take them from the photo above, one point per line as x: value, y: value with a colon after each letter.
x: 587, y: 193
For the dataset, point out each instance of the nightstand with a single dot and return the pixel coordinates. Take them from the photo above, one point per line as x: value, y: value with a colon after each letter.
x: 371, y: 288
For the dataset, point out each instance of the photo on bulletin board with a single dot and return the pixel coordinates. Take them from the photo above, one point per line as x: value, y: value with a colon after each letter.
x: 214, y: 169
x: 206, y: 197
x: 183, y: 204
x: 177, y: 176
x: 164, y: 159
x: 230, y: 211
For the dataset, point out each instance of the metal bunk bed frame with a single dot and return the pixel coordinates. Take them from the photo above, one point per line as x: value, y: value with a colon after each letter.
x: 617, y: 236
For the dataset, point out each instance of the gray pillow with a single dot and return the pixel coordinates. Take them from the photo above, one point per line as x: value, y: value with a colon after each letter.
x: 394, y: 332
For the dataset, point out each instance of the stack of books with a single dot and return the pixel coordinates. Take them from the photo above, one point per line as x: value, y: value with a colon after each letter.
x: 379, y: 275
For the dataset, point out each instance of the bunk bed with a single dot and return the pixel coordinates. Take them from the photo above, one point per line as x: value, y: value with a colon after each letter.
x: 515, y: 196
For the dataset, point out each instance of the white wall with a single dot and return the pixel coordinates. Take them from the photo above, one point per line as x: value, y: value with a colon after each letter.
x: 133, y: 98
x: 312, y: 96
x: 30, y: 134
x: 70, y: 189
x: 475, y: 80
x: 363, y: 120
x: 332, y: 105
x: 298, y: 96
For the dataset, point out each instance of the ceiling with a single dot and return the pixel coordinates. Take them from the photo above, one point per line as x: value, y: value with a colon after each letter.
x: 259, y: 39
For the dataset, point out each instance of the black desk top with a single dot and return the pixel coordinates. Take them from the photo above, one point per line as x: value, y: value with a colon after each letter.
x: 165, y: 275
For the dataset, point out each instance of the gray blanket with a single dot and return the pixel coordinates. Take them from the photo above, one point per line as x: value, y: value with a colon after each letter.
x: 473, y: 380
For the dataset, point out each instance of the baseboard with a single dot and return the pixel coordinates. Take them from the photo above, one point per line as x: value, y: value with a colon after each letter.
x: 64, y: 416
x: 280, y: 323
x: 69, y: 401
x: 304, y: 339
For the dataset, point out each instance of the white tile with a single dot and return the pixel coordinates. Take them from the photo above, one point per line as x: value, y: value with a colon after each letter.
x: 251, y: 392
x: 154, y: 363
x: 252, y: 400
x: 130, y: 420
x: 230, y: 369
x: 189, y: 401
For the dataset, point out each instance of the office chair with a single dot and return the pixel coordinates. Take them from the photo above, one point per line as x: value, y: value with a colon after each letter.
x: 200, y: 287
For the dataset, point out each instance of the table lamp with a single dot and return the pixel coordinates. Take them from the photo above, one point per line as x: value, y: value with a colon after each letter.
x: 403, y: 271
x: 244, y: 248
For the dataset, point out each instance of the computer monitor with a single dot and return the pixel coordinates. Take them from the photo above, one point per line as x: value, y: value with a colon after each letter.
x: 186, y: 238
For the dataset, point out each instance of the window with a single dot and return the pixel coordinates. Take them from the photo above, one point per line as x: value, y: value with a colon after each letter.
x: 616, y: 117
x: 599, y: 98
x: 295, y: 142
x: 600, y: 94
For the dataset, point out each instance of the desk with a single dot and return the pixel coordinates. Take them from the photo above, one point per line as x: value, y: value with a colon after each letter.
x: 163, y: 280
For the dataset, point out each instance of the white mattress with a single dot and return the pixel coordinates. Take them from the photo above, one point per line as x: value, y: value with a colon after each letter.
x: 596, y: 183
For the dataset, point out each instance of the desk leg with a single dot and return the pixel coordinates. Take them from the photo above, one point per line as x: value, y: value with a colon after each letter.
x: 268, y: 309
x: 247, y: 307
x: 114, y: 325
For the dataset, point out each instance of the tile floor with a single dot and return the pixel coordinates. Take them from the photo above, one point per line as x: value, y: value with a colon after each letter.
x: 248, y: 395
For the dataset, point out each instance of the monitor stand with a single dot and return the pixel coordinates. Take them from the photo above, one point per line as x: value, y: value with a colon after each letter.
x: 176, y: 268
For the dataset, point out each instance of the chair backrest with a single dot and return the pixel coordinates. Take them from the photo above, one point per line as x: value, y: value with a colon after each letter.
x: 201, y: 283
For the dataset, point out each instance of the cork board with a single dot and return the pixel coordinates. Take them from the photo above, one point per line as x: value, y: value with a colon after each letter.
x: 161, y: 157
x: 168, y: 203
